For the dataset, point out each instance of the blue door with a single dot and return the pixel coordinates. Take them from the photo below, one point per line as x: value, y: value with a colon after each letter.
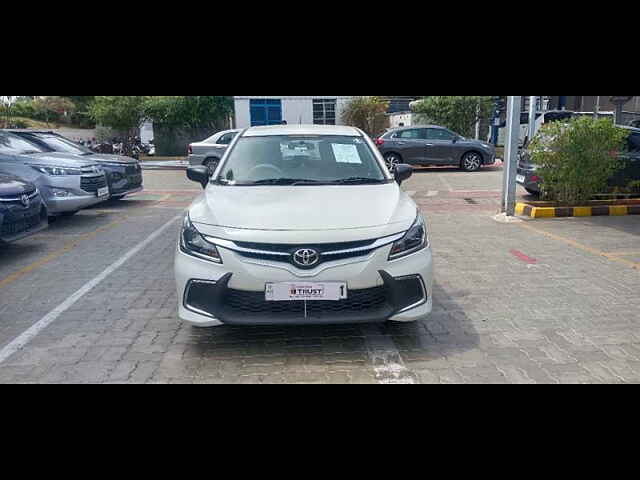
x: 266, y: 112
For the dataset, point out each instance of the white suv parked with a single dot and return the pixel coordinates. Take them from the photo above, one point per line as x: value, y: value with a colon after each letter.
x: 303, y: 225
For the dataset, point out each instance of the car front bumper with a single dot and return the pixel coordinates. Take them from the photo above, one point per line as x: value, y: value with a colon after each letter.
x: 76, y: 198
x: 123, y: 180
x: 17, y: 223
x: 235, y: 290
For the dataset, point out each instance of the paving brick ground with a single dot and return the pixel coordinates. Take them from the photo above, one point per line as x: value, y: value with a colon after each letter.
x: 545, y: 301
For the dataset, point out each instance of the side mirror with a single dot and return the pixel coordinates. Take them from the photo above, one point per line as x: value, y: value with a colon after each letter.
x: 199, y: 175
x: 455, y: 139
x: 403, y: 172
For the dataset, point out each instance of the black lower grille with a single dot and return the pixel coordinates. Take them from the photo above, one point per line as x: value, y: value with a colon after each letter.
x: 360, y: 301
x: 93, y: 184
x: 20, y: 226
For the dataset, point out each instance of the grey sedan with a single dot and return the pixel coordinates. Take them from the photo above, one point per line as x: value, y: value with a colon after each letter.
x: 433, y: 145
x: 210, y: 151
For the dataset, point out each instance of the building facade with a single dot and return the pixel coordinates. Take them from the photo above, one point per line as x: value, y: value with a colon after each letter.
x: 273, y: 110
x: 251, y: 111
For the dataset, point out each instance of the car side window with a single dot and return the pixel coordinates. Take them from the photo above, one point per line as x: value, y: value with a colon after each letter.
x: 227, y: 138
x: 413, y: 134
x: 439, y: 134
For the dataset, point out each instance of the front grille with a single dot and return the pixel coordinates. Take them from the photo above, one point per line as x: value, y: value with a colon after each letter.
x: 93, y: 184
x: 17, y: 199
x: 359, y: 301
x: 328, y: 252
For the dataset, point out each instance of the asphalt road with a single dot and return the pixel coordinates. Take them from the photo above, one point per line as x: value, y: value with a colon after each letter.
x: 92, y: 300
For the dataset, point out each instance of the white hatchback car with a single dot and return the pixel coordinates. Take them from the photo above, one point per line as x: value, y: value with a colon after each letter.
x: 303, y: 225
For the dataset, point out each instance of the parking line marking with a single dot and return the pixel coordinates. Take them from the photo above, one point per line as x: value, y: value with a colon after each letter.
x: 53, y: 255
x: 21, y: 341
x: 580, y: 246
x: 386, y: 359
x: 446, y: 184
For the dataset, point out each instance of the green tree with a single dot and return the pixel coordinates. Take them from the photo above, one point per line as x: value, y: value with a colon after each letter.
x: 122, y: 113
x: 367, y: 114
x: 190, y: 112
x: 53, y: 107
x: 459, y: 114
x: 577, y: 159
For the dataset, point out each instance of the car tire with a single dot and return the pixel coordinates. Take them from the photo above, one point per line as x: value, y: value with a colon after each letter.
x: 211, y: 163
x: 471, y: 162
x: 392, y: 160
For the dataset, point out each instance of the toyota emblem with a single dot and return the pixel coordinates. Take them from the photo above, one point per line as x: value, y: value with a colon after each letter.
x: 306, y: 257
x: 25, y: 200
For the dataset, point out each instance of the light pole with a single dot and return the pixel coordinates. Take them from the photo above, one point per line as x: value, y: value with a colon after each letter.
x: 512, y: 143
x: 532, y: 117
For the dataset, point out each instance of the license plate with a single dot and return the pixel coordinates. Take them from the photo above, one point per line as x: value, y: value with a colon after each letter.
x: 309, y: 291
x: 103, y: 192
x: 519, y: 178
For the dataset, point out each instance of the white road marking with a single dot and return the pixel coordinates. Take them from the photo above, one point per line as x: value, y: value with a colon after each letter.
x: 432, y: 193
x: 386, y: 359
x: 446, y: 184
x: 21, y: 341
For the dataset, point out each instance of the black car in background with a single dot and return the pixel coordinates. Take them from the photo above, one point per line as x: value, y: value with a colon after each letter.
x: 124, y: 174
x: 22, y: 211
x: 531, y: 181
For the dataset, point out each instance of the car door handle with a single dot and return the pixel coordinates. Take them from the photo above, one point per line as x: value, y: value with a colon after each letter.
x: 429, y: 145
x: 401, y: 143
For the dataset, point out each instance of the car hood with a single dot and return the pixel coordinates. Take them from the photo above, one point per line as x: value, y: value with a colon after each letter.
x: 104, y: 157
x: 10, y: 185
x: 303, y: 213
x: 56, y: 159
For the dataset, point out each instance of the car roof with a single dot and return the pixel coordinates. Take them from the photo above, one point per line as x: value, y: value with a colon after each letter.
x: 311, y: 130
x: 25, y: 130
x: 399, y: 129
x: 632, y: 129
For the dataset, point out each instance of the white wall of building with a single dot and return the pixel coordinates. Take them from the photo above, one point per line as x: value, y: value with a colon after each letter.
x: 401, y: 120
x: 295, y: 109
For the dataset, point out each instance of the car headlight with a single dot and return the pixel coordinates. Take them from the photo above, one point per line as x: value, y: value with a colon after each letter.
x: 193, y: 243
x: 56, y: 171
x: 415, y: 239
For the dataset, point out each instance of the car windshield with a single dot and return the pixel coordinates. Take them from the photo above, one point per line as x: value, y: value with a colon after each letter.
x: 15, y: 145
x: 61, y: 144
x: 301, y: 160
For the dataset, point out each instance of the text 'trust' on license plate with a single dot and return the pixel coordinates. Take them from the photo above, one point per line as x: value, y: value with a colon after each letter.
x: 308, y: 291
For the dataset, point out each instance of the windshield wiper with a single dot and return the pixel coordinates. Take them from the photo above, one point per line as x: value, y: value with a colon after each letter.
x: 285, y: 181
x: 357, y: 181
x: 31, y: 152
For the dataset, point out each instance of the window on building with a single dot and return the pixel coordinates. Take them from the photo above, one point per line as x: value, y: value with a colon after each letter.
x: 324, y: 112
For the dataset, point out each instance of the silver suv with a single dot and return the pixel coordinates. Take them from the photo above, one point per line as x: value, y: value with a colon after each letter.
x: 67, y: 183
x: 433, y: 145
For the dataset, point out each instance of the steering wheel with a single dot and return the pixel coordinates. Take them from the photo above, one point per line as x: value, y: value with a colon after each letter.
x: 264, y: 166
